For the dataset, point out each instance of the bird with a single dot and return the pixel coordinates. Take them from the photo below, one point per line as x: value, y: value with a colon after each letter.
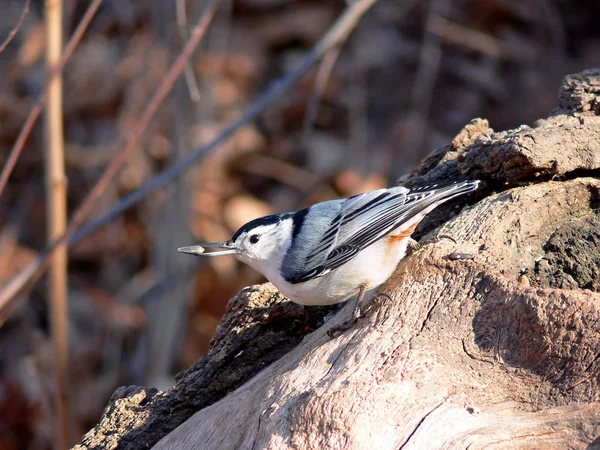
x: 335, y: 250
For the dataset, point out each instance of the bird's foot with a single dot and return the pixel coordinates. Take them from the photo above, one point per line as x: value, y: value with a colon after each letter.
x: 377, y: 299
x: 383, y: 295
x: 336, y: 330
x: 413, y: 245
x: 357, y: 313
x: 438, y: 238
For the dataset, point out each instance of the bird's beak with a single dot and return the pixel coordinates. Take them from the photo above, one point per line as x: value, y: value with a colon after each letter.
x: 228, y: 247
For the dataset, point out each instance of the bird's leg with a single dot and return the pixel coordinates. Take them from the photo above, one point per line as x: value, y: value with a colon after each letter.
x: 356, y: 314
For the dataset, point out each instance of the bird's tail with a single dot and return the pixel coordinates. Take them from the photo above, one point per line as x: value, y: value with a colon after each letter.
x: 425, y: 199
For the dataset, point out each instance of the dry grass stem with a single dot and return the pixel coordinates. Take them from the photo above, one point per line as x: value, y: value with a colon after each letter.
x: 56, y: 214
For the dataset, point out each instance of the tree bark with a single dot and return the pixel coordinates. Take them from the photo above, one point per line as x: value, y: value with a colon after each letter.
x: 489, y: 341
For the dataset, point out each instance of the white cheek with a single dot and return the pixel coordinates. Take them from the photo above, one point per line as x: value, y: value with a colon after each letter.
x: 251, y: 253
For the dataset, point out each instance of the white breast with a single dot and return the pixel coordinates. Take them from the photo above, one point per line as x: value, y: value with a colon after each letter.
x: 371, y: 267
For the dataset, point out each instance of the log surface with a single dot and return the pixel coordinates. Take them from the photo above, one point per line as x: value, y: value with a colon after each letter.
x: 499, y: 350
x: 466, y: 354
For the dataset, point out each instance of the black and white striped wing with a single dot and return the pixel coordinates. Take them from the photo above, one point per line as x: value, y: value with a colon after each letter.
x: 366, y: 218
x: 361, y: 219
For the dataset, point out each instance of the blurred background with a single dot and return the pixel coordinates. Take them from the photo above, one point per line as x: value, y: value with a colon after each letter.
x: 409, y: 77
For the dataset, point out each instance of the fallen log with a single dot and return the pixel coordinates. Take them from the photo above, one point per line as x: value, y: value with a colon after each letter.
x: 489, y: 341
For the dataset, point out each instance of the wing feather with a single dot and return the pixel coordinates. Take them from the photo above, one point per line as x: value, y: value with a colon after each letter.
x: 366, y: 218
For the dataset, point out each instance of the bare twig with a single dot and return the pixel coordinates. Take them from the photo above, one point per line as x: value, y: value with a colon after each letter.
x: 337, y: 33
x: 429, y: 64
x: 358, y: 140
x: 476, y: 40
x: 556, y: 26
x: 321, y: 81
x: 16, y: 28
x: 56, y: 213
x: 188, y: 71
x: 37, y: 109
x: 166, y: 312
x: 343, y: 26
x: 282, y: 171
x: 35, y: 268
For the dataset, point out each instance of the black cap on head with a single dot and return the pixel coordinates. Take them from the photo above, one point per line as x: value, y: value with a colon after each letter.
x: 266, y: 220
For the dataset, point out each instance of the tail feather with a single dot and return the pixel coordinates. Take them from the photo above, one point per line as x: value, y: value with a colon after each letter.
x: 427, y: 198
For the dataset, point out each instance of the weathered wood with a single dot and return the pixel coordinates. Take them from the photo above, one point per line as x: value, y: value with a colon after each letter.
x: 567, y: 141
x: 464, y: 355
x: 260, y: 326
x: 479, y: 352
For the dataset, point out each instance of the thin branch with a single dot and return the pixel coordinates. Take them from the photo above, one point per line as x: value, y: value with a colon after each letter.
x: 56, y: 214
x: 167, y: 312
x: 188, y: 71
x: 358, y: 137
x: 422, y: 92
x: 36, y: 267
x: 321, y: 81
x: 462, y: 35
x: 16, y: 28
x: 37, y: 109
x: 337, y: 33
x: 282, y: 171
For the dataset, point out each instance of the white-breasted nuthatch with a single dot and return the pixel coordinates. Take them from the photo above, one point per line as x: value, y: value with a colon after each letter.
x: 338, y: 249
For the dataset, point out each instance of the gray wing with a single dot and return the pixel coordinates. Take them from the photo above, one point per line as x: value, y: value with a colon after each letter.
x: 363, y: 220
x: 358, y: 219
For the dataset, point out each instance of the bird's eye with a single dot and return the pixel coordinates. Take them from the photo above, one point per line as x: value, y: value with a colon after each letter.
x: 254, y: 238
